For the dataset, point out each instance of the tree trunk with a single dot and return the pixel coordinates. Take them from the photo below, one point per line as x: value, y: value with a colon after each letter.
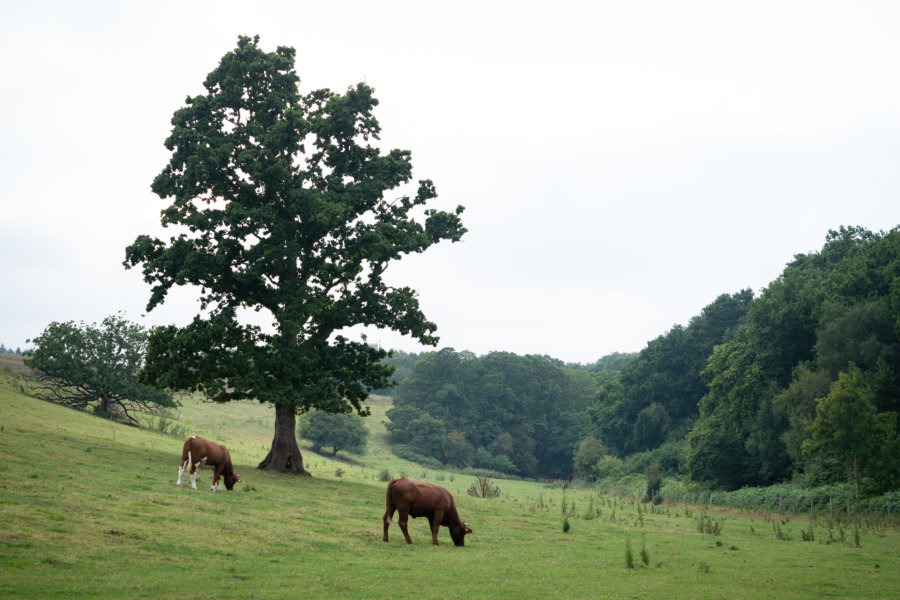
x: 285, y: 453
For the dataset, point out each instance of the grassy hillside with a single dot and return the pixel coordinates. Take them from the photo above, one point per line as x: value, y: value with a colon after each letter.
x: 89, y: 509
x: 13, y: 362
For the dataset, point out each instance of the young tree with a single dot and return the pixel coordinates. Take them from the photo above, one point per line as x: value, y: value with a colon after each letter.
x: 95, y: 366
x: 282, y: 206
x: 339, y: 431
x: 847, y: 426
x: 587, y: 456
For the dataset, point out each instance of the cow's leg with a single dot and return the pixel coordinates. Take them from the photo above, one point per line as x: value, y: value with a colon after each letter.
x: 194, y: 468
x: 435, y: 523
x: 404, y: 516
x: 185, y: 459
x: 216, y: 473
x: 388, y: 515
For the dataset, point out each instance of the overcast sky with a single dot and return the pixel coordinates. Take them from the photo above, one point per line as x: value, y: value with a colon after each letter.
x: 621, y: 163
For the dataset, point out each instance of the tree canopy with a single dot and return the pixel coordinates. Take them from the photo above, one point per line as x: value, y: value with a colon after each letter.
x: 745, y: 393
x: 283, y: 206
x: 338, y: 431
x: 655, y: 396
x: 518, y: 414
x: 95, y: 366
x: 820, y: 345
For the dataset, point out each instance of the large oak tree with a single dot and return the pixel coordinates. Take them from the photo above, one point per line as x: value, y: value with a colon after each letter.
x: 281, y: 206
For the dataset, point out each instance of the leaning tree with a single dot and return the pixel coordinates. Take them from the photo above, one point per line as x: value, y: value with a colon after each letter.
x: 280, y: 203
x: 95, y: 367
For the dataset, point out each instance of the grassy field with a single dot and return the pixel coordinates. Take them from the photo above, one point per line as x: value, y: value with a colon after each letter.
x: 89, y: 509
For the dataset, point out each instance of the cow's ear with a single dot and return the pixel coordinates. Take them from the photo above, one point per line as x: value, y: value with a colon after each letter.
x: 468, y: 530
x: 237, y: 479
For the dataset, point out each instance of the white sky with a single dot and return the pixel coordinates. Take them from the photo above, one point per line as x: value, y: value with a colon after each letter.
x: 621, y: 163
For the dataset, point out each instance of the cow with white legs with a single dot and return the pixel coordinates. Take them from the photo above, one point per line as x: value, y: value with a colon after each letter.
x: 200, y: 453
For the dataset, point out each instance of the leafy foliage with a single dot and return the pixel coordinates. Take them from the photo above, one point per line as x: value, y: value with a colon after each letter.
x: 655, y: 397
x: 816, y: 365
x: 344, y: 431
x: 284, y: 207
x: 95, y: 366
x: 848, y: 428
x: 501, y: 412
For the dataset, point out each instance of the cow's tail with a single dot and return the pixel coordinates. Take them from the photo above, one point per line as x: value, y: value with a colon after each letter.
x: 389, y: 507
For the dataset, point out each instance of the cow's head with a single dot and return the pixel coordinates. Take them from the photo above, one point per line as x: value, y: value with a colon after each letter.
x: 458, y: 534
x: 230, y: 480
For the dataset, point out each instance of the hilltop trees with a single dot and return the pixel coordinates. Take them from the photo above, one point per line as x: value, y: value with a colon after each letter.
x: 94, y: 366
x: 281, y: 207
x: 803, y: 380
x: 811, y: 380
x: 655, y: 396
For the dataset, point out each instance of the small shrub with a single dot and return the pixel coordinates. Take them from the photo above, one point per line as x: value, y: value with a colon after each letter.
x: 566, y: 525
x: 629, y: 557
x: 645, y: 556
x: 339, y: 472
x: 779, y: 534
x: 654, y: 483
x: 707, y: 525
x: 385, y: 475
x: 808, y: 535
x: 703, y: 567
x: 483, y: 487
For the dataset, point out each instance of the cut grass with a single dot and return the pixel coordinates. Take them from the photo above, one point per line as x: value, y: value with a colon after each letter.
x: 89, y: 509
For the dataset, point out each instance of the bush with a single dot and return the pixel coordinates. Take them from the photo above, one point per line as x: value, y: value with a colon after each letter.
x: 483, y: 458
x: 483, y: 487
x: 654, y: 482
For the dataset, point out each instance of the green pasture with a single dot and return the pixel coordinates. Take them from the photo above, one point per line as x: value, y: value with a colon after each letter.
x: 89, y: 509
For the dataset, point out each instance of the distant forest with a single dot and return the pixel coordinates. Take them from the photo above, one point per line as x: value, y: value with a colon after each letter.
x: 801, y: 382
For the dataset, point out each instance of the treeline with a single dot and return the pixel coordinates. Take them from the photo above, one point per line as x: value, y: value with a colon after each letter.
x: 5, y: 350
x: 641, y: 415
x: 516, y: 414
x: 801, y: 382
x: 810, y: 384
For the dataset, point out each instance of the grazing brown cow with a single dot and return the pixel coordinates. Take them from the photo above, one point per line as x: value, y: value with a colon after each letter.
x: 419, y: 499
x: 200, y: 453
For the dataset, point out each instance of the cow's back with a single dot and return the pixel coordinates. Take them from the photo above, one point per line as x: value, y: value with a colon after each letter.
x: 418, y: 497
x: 200, y: 449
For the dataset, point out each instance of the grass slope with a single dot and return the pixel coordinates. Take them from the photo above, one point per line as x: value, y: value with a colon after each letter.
x: 89, y: 509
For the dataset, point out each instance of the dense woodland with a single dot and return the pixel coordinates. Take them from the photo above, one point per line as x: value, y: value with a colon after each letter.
x: 800, y: 382
x: 517, y: 414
